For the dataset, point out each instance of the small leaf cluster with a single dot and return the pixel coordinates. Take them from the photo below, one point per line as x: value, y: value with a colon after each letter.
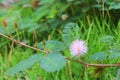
x: 53, y: 60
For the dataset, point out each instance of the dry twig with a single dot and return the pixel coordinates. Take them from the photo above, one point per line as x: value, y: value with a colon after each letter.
x: 78, y: 61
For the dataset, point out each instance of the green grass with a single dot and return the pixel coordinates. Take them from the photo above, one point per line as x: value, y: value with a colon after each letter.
x: 11, y: 55
x: 39, y: 24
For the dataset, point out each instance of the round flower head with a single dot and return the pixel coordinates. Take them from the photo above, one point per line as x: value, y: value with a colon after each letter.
x: 78, y: 47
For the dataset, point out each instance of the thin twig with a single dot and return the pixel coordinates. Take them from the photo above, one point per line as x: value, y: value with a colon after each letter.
x: 95, y: 65
x: 22, y: 44
x: 78, y: 61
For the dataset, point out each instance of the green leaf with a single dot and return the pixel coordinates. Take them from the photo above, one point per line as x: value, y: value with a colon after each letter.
x: 70, y: 0
x: 114, y: 54
x: 86, y: 76
x: 115, y: 6
x: 53, y: 62
x: 118, y: 75
x: 24, y: 64
x: 54, y: 45
x: 46, y: 1
x: 100, y: 56
x: 28, y: 25
x: 41, y: 45
x: 53, y: 11
x: 41, y: 12
x: 7, y: 30
x: 107, y: 39
x: 70, y: 33
x: 2, y: 30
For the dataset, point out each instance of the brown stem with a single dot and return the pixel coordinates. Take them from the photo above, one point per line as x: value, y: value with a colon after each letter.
x: 78, y: 61
x: 94, y: 65
x: 104, y: 65
x: 22, y: 44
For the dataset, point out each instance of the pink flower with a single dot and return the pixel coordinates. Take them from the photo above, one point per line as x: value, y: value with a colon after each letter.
x: 78, y: 47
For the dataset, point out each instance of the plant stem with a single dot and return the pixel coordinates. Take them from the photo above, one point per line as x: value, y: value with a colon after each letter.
x: 94, y: 65
x: 22, y: 44
x: 78, y: 61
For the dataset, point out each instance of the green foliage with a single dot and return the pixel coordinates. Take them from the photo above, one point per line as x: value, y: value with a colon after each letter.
x: 86, y: 76
x: 100, y: 56
x: 114, y: 54
x: 54, y: 45
x: 35, y: 23
x: 115, y: 6
x: 2, y: 30
x: 69, y: 0
x: 24, y: 64
x: 107, y: 39
x: 109, y: 5
x: 118, y: 75
x: 70, y: 33
x: 52, y: 62
x: 41, y: 12
x: 46, y: 10
x: 29, y: 25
